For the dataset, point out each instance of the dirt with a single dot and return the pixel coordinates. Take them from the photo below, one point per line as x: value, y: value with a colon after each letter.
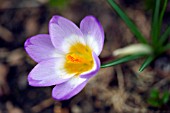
x: 118, y: 89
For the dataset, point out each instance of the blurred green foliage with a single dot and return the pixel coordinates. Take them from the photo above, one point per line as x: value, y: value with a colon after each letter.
x: 149, y: 4
x: 60, y: 4
x: 158, y: 99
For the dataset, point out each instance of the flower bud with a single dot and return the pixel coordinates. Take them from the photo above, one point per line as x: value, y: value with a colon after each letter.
x: 133, y: 49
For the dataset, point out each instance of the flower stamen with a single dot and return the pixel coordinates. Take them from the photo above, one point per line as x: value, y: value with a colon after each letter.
x: 79, y: 59
x: 73, y: 58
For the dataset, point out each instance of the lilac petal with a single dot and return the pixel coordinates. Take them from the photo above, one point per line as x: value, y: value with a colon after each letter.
x: 39, y: 47
x: 93, y: 33
x: 95, y: 68
x: 63, y: 30
x: 49, y: 72
x: 68, y: 89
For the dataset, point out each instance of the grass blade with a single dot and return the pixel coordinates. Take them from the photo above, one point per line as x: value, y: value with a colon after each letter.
x: 167, y: 47
x: 128, y: 22
x: 155, y: 30
x: 146, y: 63
x: 122, y: 60
x: 164, y: 36
x: 162, y: 12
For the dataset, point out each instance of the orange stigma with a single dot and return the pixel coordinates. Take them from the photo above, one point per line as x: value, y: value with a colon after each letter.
x: 79, y: 59
x: 73, y: 58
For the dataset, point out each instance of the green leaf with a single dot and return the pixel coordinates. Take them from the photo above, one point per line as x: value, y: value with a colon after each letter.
x: 164, y: 36
x: 162, y: 12
x: 154, y: 94
x: 122, y: 60
x: 154, y: 102
x: 154, y: 98
x: 60, y: 4
x: 128, y: 22
x: 146, y: 63
x: 165, y: 97
x: 155, y: 30
x: 167, y: 46
x: 149, y: 4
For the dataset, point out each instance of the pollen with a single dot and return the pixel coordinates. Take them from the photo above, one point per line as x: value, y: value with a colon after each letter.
x: 79, y: 59
x: 73, y: 58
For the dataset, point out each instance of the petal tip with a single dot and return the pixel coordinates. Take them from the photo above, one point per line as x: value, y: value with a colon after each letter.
x: 59, y: 99
x: 27, y: 42
x: 69, y: 89
x: 94, y: 19
x: 55, y: 19
x: 30, y: 81
x: 56, y: 97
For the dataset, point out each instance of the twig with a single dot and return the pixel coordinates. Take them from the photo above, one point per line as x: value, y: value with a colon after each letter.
x: 42, y: 105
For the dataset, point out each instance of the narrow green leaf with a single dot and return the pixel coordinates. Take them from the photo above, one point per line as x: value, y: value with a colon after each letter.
x: 164, y: 36
x: 155, y: 23
x: 166, y: 47
x: 146, y: 63
x: 163, y: 48
x: 162, y: 12
x: 128, y: 22
x: 122, y: 60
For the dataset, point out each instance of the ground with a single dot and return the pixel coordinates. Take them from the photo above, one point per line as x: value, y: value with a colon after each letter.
x: 118, y: 89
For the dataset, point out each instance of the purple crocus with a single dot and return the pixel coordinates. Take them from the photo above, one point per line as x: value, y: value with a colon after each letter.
x: 67, y: 57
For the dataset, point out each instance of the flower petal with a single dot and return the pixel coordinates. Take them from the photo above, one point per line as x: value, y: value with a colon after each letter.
x: 68, y: 89
x: 48, y: 72
x: 39, y: 47
x: 95, y: 68
x: 63, y: 30
x: 93, y: 33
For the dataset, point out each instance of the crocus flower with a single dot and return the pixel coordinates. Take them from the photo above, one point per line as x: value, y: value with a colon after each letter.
x: 67, y: 57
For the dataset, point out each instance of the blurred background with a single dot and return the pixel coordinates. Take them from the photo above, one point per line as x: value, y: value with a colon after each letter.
x: 118, y: 89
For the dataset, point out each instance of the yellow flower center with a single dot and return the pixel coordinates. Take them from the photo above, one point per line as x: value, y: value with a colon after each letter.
x: 79, y: 59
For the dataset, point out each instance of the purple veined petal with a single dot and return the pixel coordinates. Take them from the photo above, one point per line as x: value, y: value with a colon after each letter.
x: 68, y: 89
x: 93, y: 33
x: 39, y: 48
x: 61, y: 30
x: 95, y: 68
x: 49, y: 72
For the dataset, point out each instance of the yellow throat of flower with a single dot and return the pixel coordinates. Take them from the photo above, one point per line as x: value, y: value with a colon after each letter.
x: 79, y: 59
